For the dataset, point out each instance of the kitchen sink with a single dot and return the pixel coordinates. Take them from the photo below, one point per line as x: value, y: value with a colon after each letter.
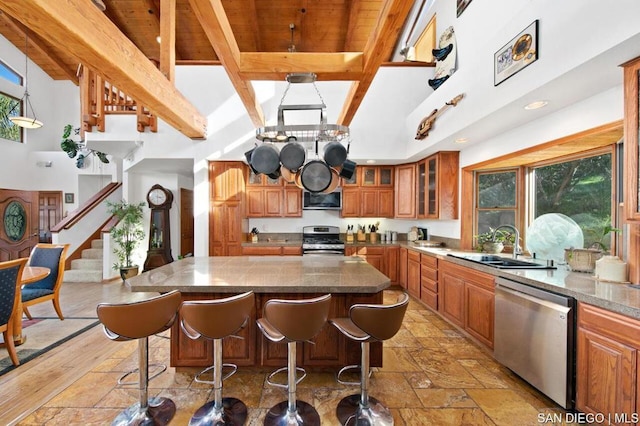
x: 500, y: 262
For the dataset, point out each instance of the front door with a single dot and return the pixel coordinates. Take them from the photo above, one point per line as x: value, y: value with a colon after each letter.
x: 50, y: 213
x: 19, y: 230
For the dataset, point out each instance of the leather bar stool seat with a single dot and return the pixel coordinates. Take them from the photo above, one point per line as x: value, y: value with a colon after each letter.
x: 368, y: 323
x: 139, y: 320
x: 293, y: 321
x: 215, y: 320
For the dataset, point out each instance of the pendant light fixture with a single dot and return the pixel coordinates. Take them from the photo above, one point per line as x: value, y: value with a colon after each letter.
x: 25, y: 120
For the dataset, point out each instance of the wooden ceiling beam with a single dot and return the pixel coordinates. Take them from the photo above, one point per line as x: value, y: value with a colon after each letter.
x: 215, y: 24
x: 35, y: 42
x: 378, y: 49
x: 168, y: 39
x: 276, y: 65
x: 89, y: 36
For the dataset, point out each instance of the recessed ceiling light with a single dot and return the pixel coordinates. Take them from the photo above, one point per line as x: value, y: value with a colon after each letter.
x: 536, y: 104
x: 371, y: 161
x: 462, y: 140
x: 158, y: 39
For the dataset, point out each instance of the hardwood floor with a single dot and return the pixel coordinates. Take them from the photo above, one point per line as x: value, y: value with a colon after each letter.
x: 432, y: 375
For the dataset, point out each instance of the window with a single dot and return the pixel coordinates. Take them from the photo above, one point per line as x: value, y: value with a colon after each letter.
x: 10, y: 106
x: 9, y: 74
x: 581, y: 189
x: 497, y: 199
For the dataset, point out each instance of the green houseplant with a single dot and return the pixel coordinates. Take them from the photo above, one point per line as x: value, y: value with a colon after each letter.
x: 494, y: 241
x: 126, y: 235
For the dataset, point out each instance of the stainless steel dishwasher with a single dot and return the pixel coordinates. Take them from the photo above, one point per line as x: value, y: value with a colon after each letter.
x: 534, y: 337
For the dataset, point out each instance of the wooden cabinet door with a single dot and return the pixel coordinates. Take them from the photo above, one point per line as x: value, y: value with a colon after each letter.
x: 255, y: 202
x: 402, y: 267
x: 273, y: 202
x: 369, y: 199
x: 413, y: 274
x: 385, y: 203
x: 373, y: 255
x: 262, y: 251
x: 292, y: 202
x: 391, y: 263
x: 350, y: 202
x: 227, y: 180
x: 452, y: 297
x: 405, y: 192
x: 480, y: 314
x: 606, y: 371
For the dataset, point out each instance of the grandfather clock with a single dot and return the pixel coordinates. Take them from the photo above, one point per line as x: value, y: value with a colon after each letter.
x: 159, y: 253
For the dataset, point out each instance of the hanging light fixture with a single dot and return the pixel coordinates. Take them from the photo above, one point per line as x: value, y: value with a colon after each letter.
x: 316, y: 132
x: 24, y: 120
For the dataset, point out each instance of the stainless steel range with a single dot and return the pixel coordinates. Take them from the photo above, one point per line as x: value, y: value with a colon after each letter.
x: 322, y: 240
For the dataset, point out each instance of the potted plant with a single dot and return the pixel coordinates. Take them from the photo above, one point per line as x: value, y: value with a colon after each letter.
x: 73, y: 148
x: 126, y: 235
x: 494, y: 241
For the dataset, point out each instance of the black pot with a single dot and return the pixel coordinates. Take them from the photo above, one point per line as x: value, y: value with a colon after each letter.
x: 247, y: 155
x: 334, y: 154
x: 293, y: 155
x: 265, y: 159
x: 315, y: 176
x: 348, y: 168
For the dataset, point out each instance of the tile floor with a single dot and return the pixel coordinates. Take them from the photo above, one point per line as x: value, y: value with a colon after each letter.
x: 432, y: 375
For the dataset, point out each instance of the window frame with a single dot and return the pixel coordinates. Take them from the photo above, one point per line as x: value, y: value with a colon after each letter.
x: 14, y: 91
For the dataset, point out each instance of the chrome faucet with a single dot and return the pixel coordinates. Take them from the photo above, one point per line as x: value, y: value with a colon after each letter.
x: 516, y: 244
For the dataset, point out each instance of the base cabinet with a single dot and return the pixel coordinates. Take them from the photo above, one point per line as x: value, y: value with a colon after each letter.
x: 466, y: 298
x: 402, y: 267
x: 331, y: 348
x: 413, y: 274
x: 271, y: 251
x: 607, y: 364
x: 429, y: 280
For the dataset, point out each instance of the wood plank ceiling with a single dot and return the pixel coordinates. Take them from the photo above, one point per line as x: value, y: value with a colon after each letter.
x: 252, y: 39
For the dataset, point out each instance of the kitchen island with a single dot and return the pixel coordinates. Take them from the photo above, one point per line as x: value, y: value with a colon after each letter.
x: 350, y: 280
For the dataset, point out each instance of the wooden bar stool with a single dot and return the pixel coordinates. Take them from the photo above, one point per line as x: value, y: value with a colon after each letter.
x: 139, y: 320
x: 368, y: 323
x: 293, y: 321
x: 215, y: 320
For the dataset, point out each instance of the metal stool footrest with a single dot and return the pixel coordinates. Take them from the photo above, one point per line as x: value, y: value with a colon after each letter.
x: 349, y: 368
x: 285, y: 369
x: 233, y: 368
x: 160, y: 367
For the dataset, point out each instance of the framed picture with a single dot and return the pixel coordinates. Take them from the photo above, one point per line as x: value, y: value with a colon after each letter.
x: 68, y: 197
x: 461, y: 6
x: 519, y: 53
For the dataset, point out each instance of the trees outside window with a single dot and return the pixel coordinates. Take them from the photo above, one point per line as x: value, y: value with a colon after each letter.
x: 580, y: 189
x: 10, y: 105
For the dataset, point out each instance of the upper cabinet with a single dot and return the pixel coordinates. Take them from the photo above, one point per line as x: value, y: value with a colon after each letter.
x: 227, y: 180
x: 268, y: 197
x: 631, y: 126
x: 405, y: 191
x: 369, y: 193
x: 438, y: 186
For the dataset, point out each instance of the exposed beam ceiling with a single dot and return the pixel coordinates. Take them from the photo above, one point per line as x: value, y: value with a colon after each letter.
x: 214, y: 21
x: 377, y: 50
x: 95, y: 41
x: 345, y: 40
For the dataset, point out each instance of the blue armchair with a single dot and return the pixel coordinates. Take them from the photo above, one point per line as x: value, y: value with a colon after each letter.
x: 10, y: 276
x: 50, y: 256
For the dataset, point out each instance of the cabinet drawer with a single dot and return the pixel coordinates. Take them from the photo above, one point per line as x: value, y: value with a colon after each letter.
x: 427, y: 260
x: 371, y: 250
x: 429, y: 298
x: 291, y: 251
x: 261, y: 251
x: 427, y: 273
x: 428, y: 284
x: 414, y: 256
